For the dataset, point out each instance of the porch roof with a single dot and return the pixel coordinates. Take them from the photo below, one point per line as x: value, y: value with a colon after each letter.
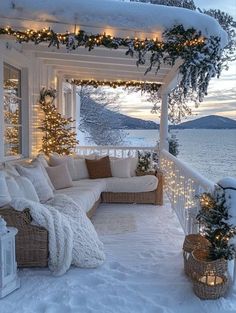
x: 115, y: 18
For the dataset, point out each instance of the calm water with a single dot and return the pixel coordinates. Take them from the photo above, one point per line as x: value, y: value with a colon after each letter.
x: 211, y: 152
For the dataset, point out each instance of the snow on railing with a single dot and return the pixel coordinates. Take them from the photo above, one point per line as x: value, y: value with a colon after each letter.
x: 182, y: 185
x: 117, y: 151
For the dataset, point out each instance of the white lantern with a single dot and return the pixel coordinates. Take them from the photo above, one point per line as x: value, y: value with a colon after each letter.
x: 8, y: 269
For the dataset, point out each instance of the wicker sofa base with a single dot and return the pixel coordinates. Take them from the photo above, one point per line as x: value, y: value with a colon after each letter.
x: 130, y: 197
x: 32, y: 241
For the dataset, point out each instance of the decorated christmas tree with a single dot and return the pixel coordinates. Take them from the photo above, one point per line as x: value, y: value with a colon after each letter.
x: 214, y: 224
x: 59, y: 135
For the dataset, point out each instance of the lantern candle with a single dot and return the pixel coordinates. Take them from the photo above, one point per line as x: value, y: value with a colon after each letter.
x: 211, y: 280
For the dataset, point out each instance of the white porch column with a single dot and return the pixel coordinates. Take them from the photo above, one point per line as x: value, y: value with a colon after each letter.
x: 164, y: 122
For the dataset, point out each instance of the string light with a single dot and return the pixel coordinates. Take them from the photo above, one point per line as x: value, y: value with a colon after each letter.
x: 150, y: 87
x: 59, y: 135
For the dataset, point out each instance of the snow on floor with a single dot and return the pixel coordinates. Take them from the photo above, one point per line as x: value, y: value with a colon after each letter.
x: 143, y: 272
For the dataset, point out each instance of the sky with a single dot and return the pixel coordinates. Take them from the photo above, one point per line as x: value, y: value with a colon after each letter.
x: 221, y: 98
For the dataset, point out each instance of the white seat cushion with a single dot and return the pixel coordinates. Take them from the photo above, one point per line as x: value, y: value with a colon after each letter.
x: 132, y: 184
x: 85, y: 192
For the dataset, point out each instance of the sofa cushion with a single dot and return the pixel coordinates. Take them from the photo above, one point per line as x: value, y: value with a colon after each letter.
x: 76, y: 166
x: 11, y: 170
x: 132, y: 184
x: 133, y: 166
x: 85, y: 192
x: 80, y: 169
x: 37, y: 162
x: 21, y: 187
x: 120, y: 167
x: 100, y: 168
x: 5, y: 197
x: 59, y: 176
x: 38, y: 179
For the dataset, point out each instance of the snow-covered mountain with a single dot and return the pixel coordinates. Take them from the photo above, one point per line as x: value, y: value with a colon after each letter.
x: 209, y: 122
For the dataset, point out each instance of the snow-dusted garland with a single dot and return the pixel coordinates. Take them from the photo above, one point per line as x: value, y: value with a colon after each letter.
x: 149, y: 87
x: 201, y: 56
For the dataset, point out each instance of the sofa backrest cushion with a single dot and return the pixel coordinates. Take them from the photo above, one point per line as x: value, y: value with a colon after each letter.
x: 60, y: 176
x: 5, y: 197
x: 37, y: 162
x: 38, y: 179
x: 10, y: 169
x: 99, y: 168
x: 76, y: 166
x: 133, y: 166
x: 120, y: 167
x: 21, y: 187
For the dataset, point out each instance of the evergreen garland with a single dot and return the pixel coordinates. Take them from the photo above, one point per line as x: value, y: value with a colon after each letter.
x: 59, y: 135
x: 201, y: 56
x: 213, y: 219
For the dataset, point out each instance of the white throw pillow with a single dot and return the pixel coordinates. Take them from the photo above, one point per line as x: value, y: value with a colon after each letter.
x: 13, y: 188
x: 77, y: 166
x: 36, y: 162
x: 42, y: 159
x: 27, y: 188
x: 11, y: 170
x: 60, y: 176
x: 56, y: 159
x: 5, y: 197
x: 80, y: 169
x: 120, y: 168
x: 38, y: 179
x: 133, y: 166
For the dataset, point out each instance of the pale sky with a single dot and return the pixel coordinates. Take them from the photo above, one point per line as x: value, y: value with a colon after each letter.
x: 221, y: 99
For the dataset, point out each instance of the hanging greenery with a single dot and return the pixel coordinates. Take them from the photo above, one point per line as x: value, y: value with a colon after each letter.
x: 59, y: 135
x: 149, y: 87
x: 201, y: 56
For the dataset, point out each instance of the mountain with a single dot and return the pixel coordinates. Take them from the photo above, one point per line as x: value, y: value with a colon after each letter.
x: 128, y: 122
x: 208, y: 122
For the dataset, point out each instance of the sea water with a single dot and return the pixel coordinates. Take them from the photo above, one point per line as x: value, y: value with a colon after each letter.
x: 210, y: 152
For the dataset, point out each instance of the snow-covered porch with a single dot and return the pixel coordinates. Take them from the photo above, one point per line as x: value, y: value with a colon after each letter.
x: 143, y: 271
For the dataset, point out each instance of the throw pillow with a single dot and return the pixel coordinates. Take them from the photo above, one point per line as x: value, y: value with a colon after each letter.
x: 100, y: 168
x: 11, y: 170
x: 13, y: 188
x: 80, y: 169
x: 42, y: 159
x: 36, y: 162
x: 120, y: 168
x: 55, y: 159
x: 133, y: 166
x: 27, y: 188
x: 60, y: 176
x: 38, y: 179
x: 5, y: 197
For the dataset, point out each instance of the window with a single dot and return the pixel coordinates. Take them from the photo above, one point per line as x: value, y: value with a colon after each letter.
x: 12, y: 111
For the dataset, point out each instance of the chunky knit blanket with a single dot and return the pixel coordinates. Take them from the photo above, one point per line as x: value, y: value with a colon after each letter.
x: 72, y: 237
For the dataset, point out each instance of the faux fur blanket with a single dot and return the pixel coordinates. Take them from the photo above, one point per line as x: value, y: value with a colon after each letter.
x: 72, y: 237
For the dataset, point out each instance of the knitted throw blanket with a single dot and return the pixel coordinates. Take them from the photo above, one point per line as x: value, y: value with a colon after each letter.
x: 72, y: 237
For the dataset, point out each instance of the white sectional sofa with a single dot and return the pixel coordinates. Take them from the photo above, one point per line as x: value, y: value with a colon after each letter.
x: 32, y: 240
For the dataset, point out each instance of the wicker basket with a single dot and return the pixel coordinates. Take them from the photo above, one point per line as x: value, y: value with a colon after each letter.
x: 199, y: 264
x: 192, y: 242
x: 209, y: 292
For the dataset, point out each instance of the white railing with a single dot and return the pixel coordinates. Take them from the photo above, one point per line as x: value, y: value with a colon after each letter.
x: 116, y: 151
x: 183, y: 185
